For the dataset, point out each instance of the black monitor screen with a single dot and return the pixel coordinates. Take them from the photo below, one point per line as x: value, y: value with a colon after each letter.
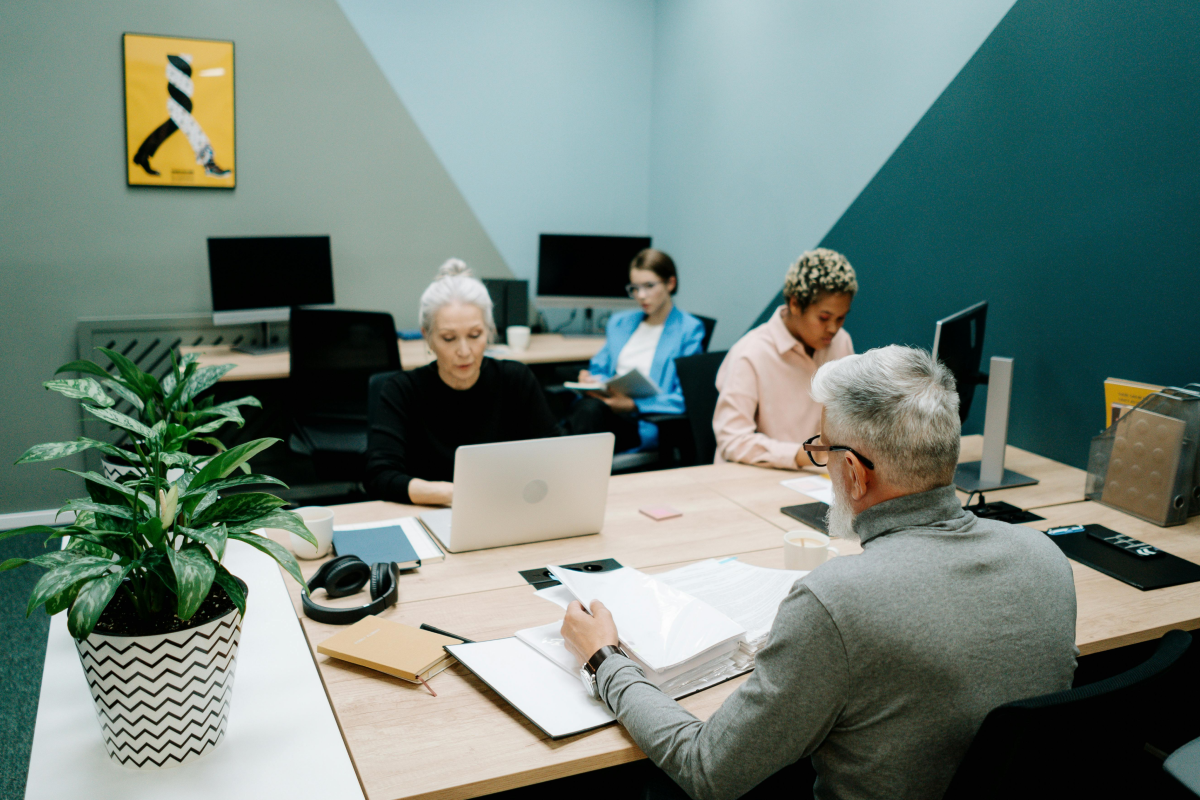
x: 269, y: 272
x: 958, y: 343
x: 586, y: 266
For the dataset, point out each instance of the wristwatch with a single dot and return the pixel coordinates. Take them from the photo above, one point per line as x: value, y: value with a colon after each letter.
x: 587, y: 673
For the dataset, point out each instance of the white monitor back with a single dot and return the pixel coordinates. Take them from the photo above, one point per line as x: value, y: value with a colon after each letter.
x: 530, y: 491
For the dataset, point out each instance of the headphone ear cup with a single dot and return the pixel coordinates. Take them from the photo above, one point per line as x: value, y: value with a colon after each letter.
x: 345, y: 576
x: 381, y: 580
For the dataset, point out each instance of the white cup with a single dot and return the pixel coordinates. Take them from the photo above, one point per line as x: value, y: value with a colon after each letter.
x: 806, y: 550
x: 518, y: 337
x: 319, y: 522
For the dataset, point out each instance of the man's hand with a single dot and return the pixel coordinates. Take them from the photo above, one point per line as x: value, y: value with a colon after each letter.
x: 585, y: 633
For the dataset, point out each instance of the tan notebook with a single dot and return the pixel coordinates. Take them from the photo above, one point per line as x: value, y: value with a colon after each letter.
x: 392, y: 648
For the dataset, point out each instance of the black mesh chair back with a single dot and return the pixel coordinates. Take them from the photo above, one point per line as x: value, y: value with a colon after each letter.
x: 375, y: 391
x: 710, y: 325
x: 698, y: 380
x: 1089, y: 741
x: 334, y: 354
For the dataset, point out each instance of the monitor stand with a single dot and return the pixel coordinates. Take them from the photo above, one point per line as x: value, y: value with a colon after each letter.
x: 990, y: 474
x: 264, y: 349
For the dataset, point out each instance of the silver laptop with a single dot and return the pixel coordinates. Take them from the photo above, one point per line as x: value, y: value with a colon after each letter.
x: 529, y: 491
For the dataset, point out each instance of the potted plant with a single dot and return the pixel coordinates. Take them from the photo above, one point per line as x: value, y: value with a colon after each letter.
x: 155, y: 615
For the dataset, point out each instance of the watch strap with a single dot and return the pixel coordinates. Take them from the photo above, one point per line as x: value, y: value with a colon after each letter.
x: 598, y: 657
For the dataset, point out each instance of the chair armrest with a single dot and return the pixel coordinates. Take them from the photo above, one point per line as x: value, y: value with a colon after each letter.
x: 659, y: 419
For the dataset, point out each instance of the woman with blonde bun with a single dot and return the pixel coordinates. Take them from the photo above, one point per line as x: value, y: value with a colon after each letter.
x: 462, y: 398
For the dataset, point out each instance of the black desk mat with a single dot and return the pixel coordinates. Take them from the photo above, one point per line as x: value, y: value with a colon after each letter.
x: 1143, y: 573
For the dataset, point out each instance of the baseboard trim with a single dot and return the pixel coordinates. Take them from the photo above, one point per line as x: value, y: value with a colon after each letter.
x: 44, y: 517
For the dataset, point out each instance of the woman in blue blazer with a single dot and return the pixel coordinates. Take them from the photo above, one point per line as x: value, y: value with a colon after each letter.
x: 650, y: 340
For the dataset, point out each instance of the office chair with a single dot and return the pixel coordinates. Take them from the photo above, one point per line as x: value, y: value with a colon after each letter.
x: 1184, y: 766
x: 1090, y: 741
x: 710, y: 325
x: 334, y: 354
x: 698, y: 379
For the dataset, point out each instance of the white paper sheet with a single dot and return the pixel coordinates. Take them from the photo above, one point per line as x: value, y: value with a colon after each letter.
x: 747, y: 594
x: 548, y: 695
x: 817, y: 487
x: 559, y: 595
x: 663, y: 626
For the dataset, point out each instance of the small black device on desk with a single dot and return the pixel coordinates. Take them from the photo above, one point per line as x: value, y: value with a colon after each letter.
x: 811, y: 514
x: 1122, y: 557
x: 541, y: 578
x: 1001, y: 511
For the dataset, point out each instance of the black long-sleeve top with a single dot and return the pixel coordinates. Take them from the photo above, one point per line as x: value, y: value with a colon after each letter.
x: 421, y: 421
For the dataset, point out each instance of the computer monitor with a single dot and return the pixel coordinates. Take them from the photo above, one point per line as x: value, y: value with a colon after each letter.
x: 586, y: 271
x: 259, y: 278
x: 958, y: 343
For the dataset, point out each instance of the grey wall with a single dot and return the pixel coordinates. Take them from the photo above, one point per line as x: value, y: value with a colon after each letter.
x: 539, y: 109
x: 1057, y: 177
x: 324, y: 146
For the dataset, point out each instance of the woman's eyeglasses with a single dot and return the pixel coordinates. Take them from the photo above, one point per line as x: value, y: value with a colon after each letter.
x: 634, y: 289
x: 811, y: 448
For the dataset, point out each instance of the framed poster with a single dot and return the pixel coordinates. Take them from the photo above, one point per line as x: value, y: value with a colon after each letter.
x: 179, y: 112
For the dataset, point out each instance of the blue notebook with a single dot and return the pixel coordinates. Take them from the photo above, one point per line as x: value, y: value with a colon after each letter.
x: 377, y: 546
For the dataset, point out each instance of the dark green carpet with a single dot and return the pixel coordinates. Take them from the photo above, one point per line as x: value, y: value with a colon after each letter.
x: 22, y: 651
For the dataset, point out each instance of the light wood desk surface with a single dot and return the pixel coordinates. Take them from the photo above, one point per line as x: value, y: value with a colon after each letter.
x: 759, y: 489
x: 1114, y: 614
x: 468, y: 742
x: 544, y: 348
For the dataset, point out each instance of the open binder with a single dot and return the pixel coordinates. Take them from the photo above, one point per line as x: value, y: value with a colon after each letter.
x: 687, y: 629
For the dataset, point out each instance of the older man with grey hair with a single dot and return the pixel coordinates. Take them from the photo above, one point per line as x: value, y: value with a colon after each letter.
x: 881, y: 666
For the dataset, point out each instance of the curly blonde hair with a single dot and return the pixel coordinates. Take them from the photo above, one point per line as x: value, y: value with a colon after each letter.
x: 818, y: 272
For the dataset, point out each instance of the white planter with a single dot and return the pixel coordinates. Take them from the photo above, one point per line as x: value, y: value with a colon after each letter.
x: 163, y: 700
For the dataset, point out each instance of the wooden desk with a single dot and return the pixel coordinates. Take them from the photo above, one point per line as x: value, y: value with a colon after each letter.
x: 1114, y: 614
x: 759, y: 489
x: 468, y: 742
x: 544, y: 348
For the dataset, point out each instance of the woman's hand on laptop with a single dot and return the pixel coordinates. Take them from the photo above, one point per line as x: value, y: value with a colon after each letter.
x: 586, y: 633
x: 430, y: 493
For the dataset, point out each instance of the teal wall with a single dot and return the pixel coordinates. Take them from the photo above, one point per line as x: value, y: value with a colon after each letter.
x: 769, y: 119
x: 324, y: 146
x: 1057, y: 177
x: 539, y: 109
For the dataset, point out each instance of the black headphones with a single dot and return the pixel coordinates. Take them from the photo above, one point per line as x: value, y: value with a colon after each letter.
x: 346, y: 575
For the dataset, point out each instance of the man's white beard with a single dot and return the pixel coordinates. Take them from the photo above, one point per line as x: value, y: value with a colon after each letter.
x: 840, y: 519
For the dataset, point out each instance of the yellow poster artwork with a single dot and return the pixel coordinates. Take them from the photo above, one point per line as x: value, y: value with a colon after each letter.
x: 179, y: 112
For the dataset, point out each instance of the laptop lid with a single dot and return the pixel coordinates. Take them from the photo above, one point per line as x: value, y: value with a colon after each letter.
x: 529, y: 491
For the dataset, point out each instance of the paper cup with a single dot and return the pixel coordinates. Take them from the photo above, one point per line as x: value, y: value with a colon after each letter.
x: 806, y: 550
x: 319, y: 522
x: 517, y: 337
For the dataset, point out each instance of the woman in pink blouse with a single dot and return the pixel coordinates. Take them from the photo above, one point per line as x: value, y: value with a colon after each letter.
x: 765, y: 412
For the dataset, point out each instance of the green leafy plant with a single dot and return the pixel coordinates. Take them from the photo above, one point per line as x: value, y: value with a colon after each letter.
x: 159, y: 542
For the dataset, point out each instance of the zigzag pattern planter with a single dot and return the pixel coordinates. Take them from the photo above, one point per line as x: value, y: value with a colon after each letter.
x: 163, y: 700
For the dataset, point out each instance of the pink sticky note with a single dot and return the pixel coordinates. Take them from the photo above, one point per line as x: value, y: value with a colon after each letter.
x: 660, y: 512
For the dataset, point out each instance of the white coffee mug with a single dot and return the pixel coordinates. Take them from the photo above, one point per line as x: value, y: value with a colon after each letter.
x: 806, y: 550
x: 518, y: 337
x: 319, y: 522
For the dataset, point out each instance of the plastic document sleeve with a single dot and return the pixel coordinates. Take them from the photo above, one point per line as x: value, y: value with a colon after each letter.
x: 546, y: 694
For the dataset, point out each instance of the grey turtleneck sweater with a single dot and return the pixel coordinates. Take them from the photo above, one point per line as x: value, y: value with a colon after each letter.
x: 881, y: 666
